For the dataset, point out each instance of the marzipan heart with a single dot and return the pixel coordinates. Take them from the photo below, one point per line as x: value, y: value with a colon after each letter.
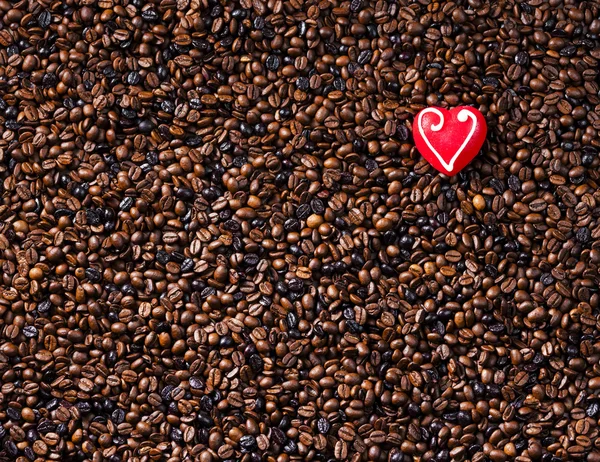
x: 449, y: 139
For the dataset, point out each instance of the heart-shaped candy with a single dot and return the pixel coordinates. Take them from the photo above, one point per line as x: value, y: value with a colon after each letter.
x: 449, y: 139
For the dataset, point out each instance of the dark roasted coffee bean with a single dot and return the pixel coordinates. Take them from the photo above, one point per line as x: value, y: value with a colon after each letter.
x: 30, y: 331
x: 44, y: 19
x: 251, y: 259
x: 272, y: 63
x: 323, y: 425
x: 163, y: 257
x: 11, y: 448
x: 196, y: 382
x: 248, y: 443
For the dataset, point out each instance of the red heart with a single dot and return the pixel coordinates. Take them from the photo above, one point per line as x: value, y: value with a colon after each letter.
x: 449, y: 139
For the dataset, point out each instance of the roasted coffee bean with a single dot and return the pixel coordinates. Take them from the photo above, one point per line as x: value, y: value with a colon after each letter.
x: 30, y: 331
x: 196, y: 382
x: 323, y: 425
x: 273, y: 62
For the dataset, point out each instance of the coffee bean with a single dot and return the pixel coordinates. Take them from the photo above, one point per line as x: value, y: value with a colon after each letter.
x: 522, y: 58
x: 196, y: 382
x: 272, y: 63
x: 323, y: 426
x: 44, y: 19
x: 30, y: 331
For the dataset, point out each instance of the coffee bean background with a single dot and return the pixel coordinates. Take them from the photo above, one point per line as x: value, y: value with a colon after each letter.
x: 218, y: 242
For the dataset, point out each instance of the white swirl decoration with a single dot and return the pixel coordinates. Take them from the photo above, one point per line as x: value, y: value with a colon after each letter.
x: 463, y: 116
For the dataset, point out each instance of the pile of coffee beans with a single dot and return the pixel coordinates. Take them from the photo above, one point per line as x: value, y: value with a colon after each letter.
x: 218, y: 242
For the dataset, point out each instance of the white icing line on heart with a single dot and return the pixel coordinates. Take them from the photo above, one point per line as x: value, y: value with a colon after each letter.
x: 463, y: 116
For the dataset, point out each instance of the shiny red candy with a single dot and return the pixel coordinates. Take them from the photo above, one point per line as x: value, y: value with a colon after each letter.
x: 449, y: 139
